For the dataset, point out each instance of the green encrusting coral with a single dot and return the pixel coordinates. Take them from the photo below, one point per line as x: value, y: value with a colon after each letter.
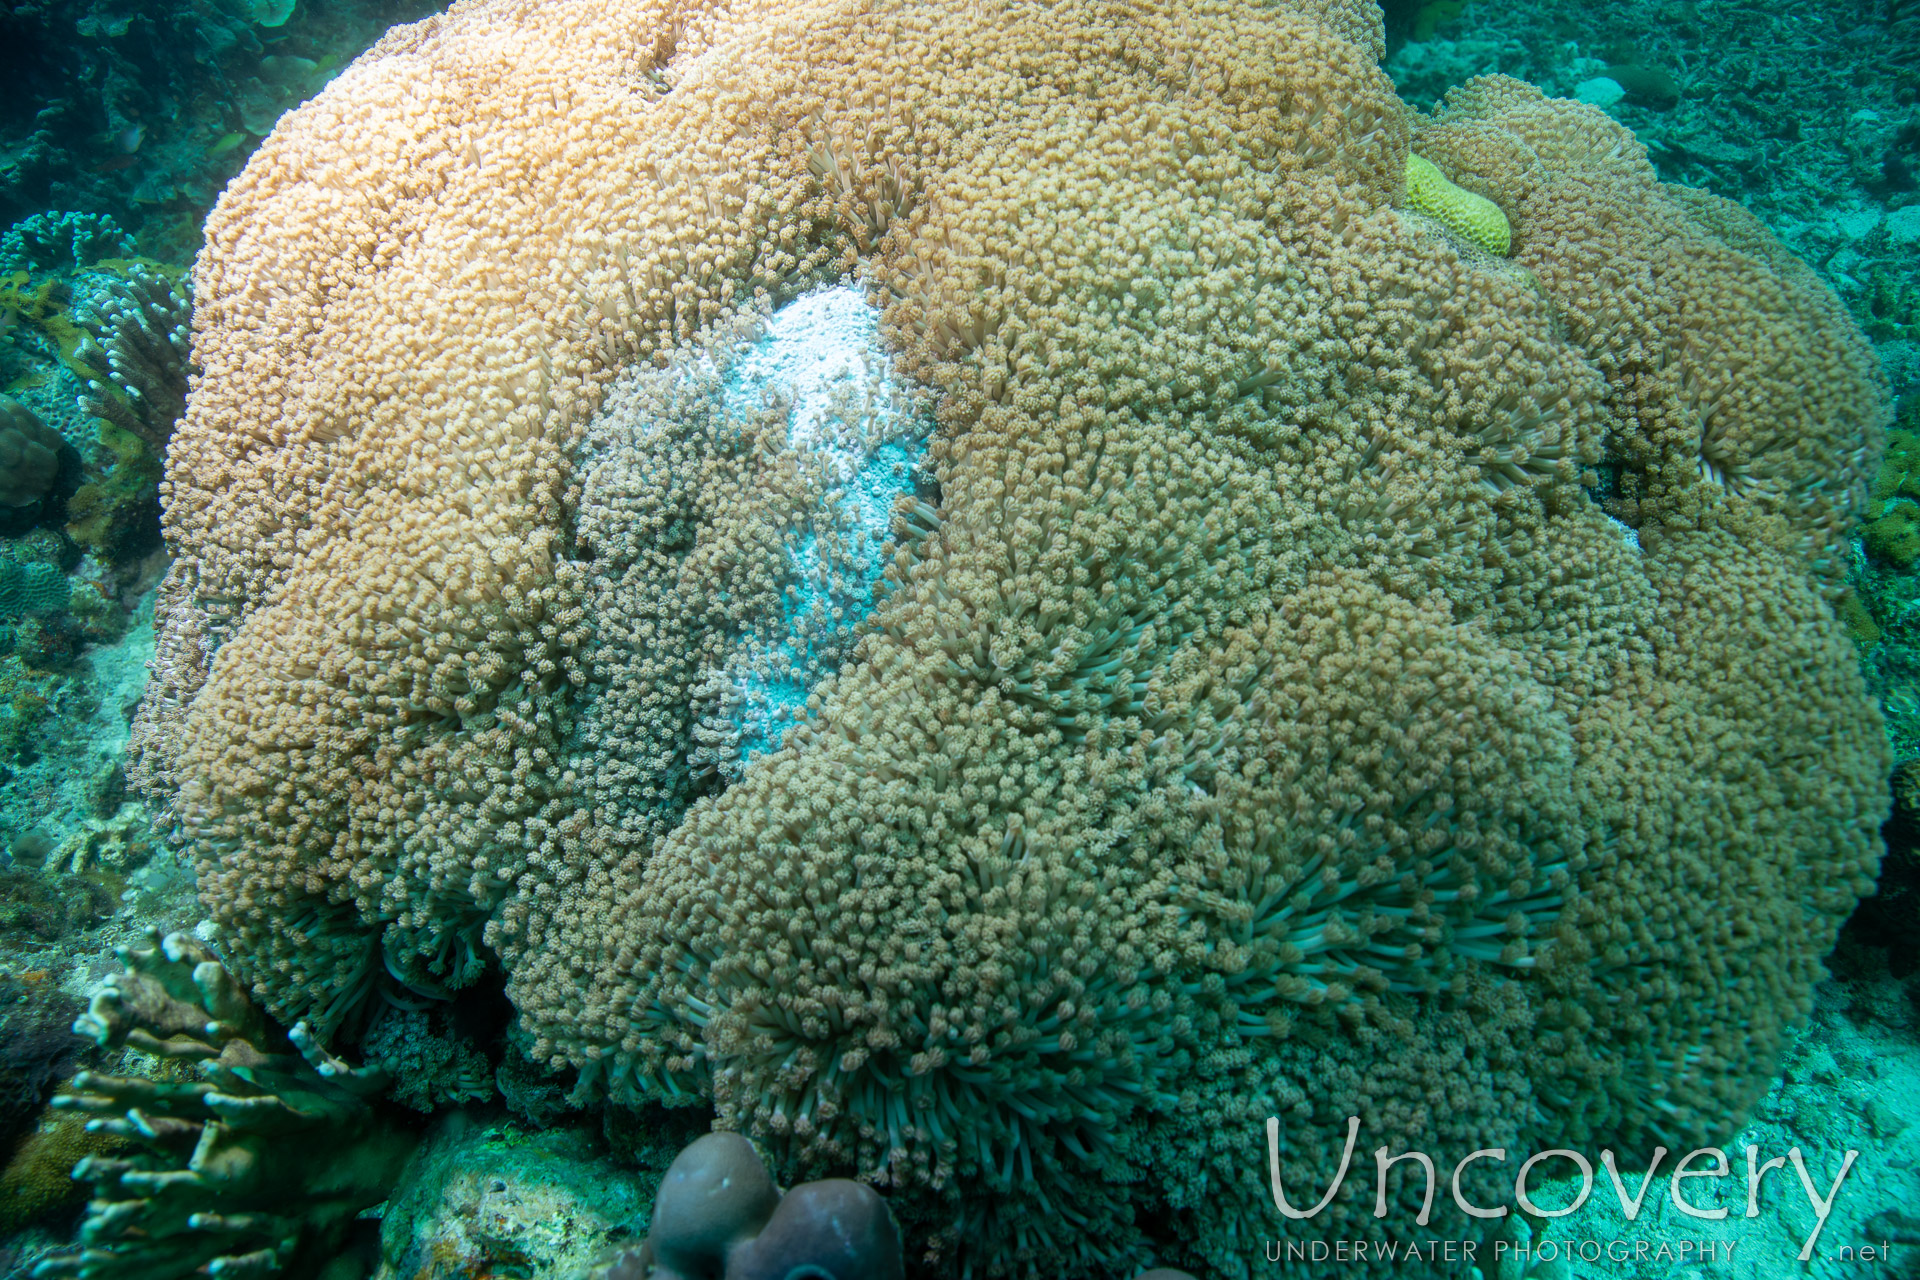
x: 31, y: 589
x: 1892, y: 531
x: 1472, y: 217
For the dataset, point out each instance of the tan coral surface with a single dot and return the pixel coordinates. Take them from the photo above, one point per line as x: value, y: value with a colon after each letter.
x: 1276, y: 717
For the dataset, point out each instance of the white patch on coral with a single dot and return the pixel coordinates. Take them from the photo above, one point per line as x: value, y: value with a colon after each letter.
x: 856, y: 436
x: 852, y: 418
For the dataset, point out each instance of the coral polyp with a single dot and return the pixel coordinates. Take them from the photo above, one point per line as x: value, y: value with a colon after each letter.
x: 1225, y: 645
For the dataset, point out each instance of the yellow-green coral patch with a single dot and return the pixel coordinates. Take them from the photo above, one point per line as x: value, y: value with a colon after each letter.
x: 1473, y: 217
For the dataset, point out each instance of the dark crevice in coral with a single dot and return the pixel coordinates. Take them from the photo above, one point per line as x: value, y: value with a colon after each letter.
x: 1885, y: 921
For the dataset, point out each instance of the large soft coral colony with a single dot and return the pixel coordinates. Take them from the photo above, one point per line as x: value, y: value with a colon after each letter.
x: 1323, y: 669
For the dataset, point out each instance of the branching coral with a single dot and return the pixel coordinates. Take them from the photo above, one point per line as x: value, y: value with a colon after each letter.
x: 135, y: 358
x: 62, y: 241
x: 138, y: 347
x: 1260, y: 715
x: 255, y: 1168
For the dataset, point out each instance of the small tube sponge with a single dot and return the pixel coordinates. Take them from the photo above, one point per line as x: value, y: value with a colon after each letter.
x: 834, y: 1228
x: 1472, y: 217
x: 716, y: 1195
x: 718, y: 1216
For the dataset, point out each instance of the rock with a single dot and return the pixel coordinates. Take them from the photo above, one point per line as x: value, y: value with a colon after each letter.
x: 497, y: 1199
x: 1903, y: 225
x: 1601, y: 91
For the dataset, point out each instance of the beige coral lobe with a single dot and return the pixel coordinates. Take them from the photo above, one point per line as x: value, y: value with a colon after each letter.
x: 1337, y: 672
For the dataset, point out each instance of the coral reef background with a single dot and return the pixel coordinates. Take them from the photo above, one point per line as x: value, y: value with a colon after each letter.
x: 121, y: 125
